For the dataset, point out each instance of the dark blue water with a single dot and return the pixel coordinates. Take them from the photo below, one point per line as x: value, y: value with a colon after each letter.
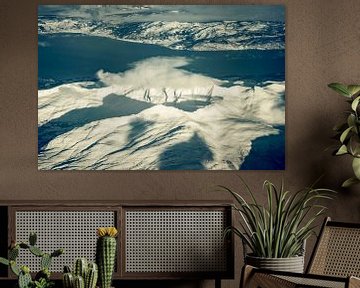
x: 69, y: 58
x: 267, y: 153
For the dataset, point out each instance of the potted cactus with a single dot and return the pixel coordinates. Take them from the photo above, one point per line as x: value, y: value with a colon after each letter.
x: 84, y: 275
x: 106, y: 254
x: 42, y: 278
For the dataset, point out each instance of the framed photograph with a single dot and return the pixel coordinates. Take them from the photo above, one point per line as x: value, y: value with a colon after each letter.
x: 161, y: 87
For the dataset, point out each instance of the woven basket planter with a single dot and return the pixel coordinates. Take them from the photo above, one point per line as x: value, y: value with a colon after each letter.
x: 291, y: 264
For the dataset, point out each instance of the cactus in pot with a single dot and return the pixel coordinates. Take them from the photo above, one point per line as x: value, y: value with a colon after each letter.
x: 91, y: 276
x: 80, y: 267
x: 85, y: 275
x: 79, y: 282
x: 68, y: 278
x: 106, y: 254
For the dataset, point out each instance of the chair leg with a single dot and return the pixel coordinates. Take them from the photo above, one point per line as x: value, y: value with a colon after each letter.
x: 217, y: 282
x: 246, y: 274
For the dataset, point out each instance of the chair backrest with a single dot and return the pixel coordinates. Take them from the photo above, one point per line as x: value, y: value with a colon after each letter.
x: 337, y: 251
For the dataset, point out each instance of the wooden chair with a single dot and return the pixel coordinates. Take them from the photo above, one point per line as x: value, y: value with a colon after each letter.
x: 334, y: 263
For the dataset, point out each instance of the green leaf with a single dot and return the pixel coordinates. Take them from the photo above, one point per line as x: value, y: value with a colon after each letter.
x: 356, y: 167
x: 4, y: 261
x: 353, y: 89
x: 354, y: 145
x: 342, y: 150
x: 351, y: 120
x: 355, y: 103
x: 349, y: 182
x: 345, y: 134
x: 340, y: 88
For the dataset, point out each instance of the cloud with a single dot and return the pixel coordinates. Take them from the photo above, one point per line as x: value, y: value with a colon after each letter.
x: 158, y: 73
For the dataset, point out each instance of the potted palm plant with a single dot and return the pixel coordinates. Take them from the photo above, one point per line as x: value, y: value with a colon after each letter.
x: 276, y: 233
x: 348, y: 132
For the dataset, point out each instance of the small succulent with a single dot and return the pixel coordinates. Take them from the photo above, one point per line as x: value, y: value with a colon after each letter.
x: 42, y: 283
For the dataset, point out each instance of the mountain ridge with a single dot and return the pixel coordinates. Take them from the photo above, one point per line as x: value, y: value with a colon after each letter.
x: 192, y: 36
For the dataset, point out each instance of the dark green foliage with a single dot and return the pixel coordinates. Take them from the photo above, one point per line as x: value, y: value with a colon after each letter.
x: 105, y: 258
x: 348, y: 132
x: 42, y: 283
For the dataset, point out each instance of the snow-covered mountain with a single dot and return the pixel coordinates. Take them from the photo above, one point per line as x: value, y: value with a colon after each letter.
x: 155, y: 121
x: 200, y: 36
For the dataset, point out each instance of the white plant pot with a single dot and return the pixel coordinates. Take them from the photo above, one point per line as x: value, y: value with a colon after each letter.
x: 291, y: 264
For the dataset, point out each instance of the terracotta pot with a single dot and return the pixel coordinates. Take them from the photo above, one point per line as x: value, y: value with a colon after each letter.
x: 291, y: 264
